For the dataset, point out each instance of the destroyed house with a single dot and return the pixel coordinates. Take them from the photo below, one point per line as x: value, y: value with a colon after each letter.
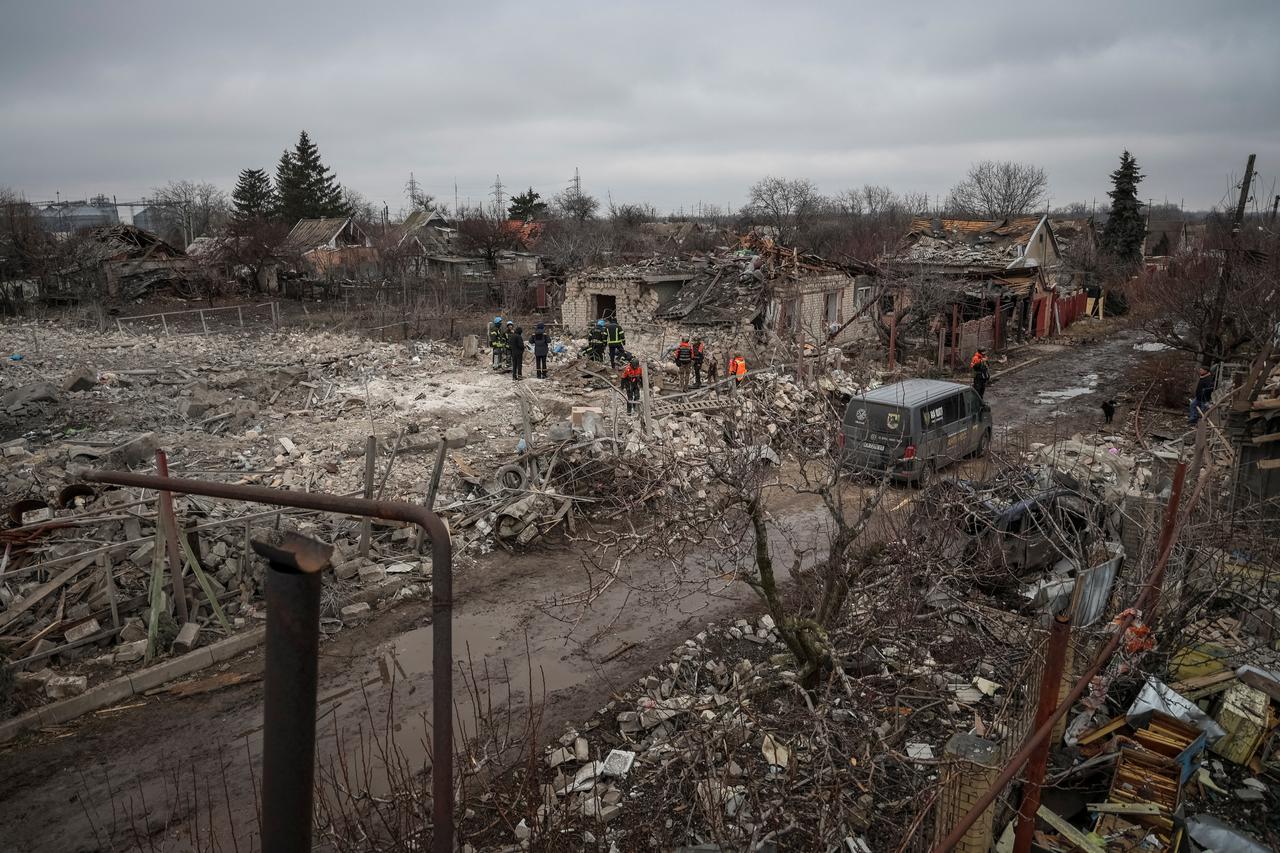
x: 956, y: 285
x: 758, y: 286
x: 125, y: 262
x: 1164, y: 238
x: 332, y: 248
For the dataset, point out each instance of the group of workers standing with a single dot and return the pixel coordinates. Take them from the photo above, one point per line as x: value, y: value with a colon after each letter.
x: 690, y: 357
x: 508, y: 347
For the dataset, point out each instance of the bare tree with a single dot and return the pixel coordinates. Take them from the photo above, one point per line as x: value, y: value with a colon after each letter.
x: 487, y: 236
x: 362, y: 210
x: 577, y: 206
x: 196, y: 209
x: 879, y: 200
x: 997, y: 190
x: 789, y: 205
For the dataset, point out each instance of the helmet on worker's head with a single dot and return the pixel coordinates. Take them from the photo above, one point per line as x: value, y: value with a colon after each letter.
x: 541, y: 326
x: 511, y: 323
x: 600, y: 322
x: 684, y: 339
x: 635, y: 362
x: 497, y: 320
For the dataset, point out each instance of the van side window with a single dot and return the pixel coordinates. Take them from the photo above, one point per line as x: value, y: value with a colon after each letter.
x: 953, y: 408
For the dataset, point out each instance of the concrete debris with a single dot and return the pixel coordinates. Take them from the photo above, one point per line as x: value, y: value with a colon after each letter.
x: 354, y: 611
x: 65, y: 686
x: 81, y: 379
x: 187, y: 639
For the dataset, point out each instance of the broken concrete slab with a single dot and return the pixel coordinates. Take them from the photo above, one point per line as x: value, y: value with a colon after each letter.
x: 354, y: 611
x: 63, y: 686
x: 34, y: 392
x: 80, y: 379
x: 130, y: 652
x: 84, y: 629
x: 188, y: 637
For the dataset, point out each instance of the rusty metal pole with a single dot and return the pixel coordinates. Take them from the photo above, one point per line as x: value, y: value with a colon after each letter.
x: 1050, y: 684
x: 441, y: 603
x: 171, y: 542
x: 289, y: 689
x: 1148, y: 595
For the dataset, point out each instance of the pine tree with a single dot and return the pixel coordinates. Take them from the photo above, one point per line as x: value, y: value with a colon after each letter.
x: 1125, y: 230
x: 254, y: 199
x: 307, y: 188
x: 527, y: 206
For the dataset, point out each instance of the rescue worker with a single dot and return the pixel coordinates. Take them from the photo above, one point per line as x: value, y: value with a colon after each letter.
x: 631, y: 382
x: 616, y: 339
x: 515, y: 345
x: 683, y: 356
x: 497, y: 340
x: 541, y: 344
x: 596, y: 342
x: 981, y: 372
x: 699, y: 356
x: 737, y: 370
x: 1203, y: 395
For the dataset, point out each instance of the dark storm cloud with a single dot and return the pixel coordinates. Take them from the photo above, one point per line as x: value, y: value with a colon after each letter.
x: 667, y: 103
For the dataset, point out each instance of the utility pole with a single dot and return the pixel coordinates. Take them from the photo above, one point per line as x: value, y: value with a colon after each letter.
x: 576, y: 183
x: 497, y: 197
x: 1275, y: 204
x: 1245, y: 186
x: 455, y: 198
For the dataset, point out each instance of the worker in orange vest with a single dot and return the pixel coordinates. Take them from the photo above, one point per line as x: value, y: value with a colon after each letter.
x: 631, y: 381
x: 738, y: 370
x: 981, y: 372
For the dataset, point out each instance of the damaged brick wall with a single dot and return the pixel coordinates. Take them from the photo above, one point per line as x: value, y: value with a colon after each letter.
x: 634, y: 302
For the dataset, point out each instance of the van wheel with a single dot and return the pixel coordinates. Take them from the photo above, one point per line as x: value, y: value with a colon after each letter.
x: 984, y: 444
x: 928, y: 473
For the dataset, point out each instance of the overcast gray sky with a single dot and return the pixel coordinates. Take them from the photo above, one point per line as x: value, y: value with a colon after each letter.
x: 670, y: 103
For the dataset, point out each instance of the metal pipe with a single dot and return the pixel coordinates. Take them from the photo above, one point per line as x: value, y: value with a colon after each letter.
x: 289, y: 689
x: 1050, y: 682
x: 1042, y: 733
x: 441, y: 603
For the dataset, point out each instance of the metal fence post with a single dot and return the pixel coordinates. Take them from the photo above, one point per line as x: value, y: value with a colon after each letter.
x: 289, y: 689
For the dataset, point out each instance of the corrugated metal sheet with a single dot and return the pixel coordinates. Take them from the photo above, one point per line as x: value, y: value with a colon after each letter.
x: 1093, y: 587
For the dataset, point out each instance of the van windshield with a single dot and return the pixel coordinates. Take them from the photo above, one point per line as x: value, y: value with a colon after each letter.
x: 878, y: 419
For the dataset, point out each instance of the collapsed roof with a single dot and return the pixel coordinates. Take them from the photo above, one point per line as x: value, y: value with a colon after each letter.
x: 970, y: 243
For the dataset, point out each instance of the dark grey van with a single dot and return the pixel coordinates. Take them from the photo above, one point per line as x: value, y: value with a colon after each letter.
x: 915, y: 427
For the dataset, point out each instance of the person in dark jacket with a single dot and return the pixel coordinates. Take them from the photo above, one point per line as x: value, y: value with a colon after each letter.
x: 617, y: 340
x: 515, y: 345
x: 981, y: 372
x: 631, y: 383
x: 1203, y: 396
x: 683, y: 357
x: 541, y: 344
x: 699, y: 357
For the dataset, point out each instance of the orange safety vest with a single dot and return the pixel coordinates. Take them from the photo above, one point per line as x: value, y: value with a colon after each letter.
x: 630, y: 374
x: 738, y: 367
x: 978, y: 358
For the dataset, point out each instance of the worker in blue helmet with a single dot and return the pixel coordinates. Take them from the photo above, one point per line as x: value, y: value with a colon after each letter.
x: 596, y: 341
x: 498, y: 342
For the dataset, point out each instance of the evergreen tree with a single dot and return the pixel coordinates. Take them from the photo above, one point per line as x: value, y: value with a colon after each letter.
x: 527, y: 206
x: 1125, y: 230
x: 254, y: 199
x: 306, y: 187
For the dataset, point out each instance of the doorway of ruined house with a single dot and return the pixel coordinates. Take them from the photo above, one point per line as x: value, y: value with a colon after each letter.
x: 606, y: 306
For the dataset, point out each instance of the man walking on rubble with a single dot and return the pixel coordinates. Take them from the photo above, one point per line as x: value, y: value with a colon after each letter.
x: 541, y: 345
x: 617, y: 340
x: 684, y: 361
x: 699, y: 356
x: 497, y: 341
x: 1203, y: 395
x: 631, y: 381
x: 516, y: 345
x: 981, y: 372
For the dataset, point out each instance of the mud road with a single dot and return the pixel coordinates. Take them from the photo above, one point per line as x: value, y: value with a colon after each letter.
x: 113, y: 779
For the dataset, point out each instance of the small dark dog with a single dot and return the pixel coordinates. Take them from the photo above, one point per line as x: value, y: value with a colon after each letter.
x: 1109, y: 410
